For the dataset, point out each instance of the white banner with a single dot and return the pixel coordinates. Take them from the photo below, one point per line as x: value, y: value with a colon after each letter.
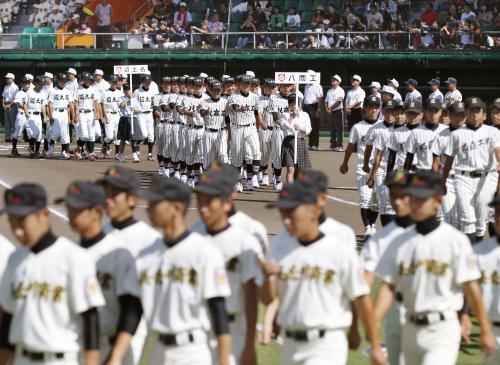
x: 130, y: 69
x: 297, y: 77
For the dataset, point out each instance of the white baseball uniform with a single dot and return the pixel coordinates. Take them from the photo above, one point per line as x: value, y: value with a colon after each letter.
x: 414, y: 96
x: 145, y: 118
x: 279, y: 104
x: 179, y: 131
x: 45, y: 292
x: 6, y: 248
x: 59, y: 100
x: 266, y: 135
x: 34, y: 102
x: 215, y: 137
x: 162, y: 127
x: 21, y: 119
x: 452, y: 96
x: 174, y: 283
x: 110, y: 99
x: 438, y: 95
x: 429, y: 278
x: 397, y: 142
x: 87, y: 127
x: 196, y: 130
x: 419, y: 143
x: 472, y: 149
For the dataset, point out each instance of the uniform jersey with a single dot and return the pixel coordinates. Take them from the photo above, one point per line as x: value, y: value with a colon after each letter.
x: 378, y: 136
x: 242, y: 254
x: 87, y: 96
x: 355, y: 96
x: 72, y: 86
x: 102, y: 86
x: 265, y: 104
x: 397, y: 142
x: 279, y: 104
x: 46, y: 292
x: 472, y: 149
x: 316, y: 283
x: 175, y: 282
x: 488, y: 260
x: 6, y: 248
x: 251, y: 105
x: 178, y: 117
x: 420, y: 142
x: 438, y: 95
x: 163, y: 99
x: 428, y: 275
x: 216, y: 117
x: 35, y: 101
x: 439, y: 145
x: 452, y: 96
x: 60, y: 98
x: 145, y: 98
x: 135, y: 237
x: 19, y: 98
x: 194, y: 104
x: 357, y: 137
x: 413, y: 96
x: 110, y: 98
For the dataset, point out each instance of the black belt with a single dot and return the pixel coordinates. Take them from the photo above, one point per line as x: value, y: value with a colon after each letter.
x: 85, y: 111
x: 423, y: 319
x: 21, y: 112
x: 171, y: 339
x: 196, y: 126
x: 474, y: 174
x: 214, y: 130
x: 146, y: 112
x: 271, y: 128
x: 302, y: 335
x: 34, y: 113
x: 61, y: 110
x: 40, y: 356
x: 399, y: 297
x: 113, y: 112
x: 246, y: 125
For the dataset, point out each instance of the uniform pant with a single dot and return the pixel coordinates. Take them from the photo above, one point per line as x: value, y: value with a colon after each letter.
x: 212, y: 147
x: 266, y: 139
x: 175, y: 143
x: 449, y: 208
x: 138, y: 342
x: 59, y: 129
x: 161, y: 138
x: 433, y: 344
x: 69, y: 359
x: 111, y: 128
x: 329, y: 350
x: 276, y: 143
x: 194, y: 145
x: 473, y: 197
x: 9, y: 122
x: 197, y: 353
x: 34, y: 127
x: 146, y: 125
x: 336, y: 124
x: 393, y: 328
x: 367, y: 196
x: 314, y: 135
x: 85, y: 129
x: 355, y: 116
x: 244, y: 144
x: 495, y: 358
x: 20, y: 124
x: 384, y: 200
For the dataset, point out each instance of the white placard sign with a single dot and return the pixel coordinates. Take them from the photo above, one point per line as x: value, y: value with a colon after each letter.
x: 130, y: 69
x: 297, y: 77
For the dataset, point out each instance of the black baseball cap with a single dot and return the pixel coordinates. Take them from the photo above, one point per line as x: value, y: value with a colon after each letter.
x: 371, y: 100
x: 424, y: 184
x: 411, y: 82
x: 39, y: 80
x: 121, y: 178
x: 295, y: 194
x: 87, y: 76
x: 175, y: 79
x: 145, y: 78
x: 255, y: 81
x: 61, y: 77
x: 228, y: 80
x: 495, y: 104
x: 113, y: 78
x: 190, y: 80
x: 474, y: 102
x: 292, y: 97
x: 390, y: 104
x: 270, y: 82
x: 215, y: 183
x: 126, y: 87
x: 82, y: 195
x: 166, y: 79
x: 433, y: 104
x: 245, y: 79
x: 181, y: 79
x: 456, y: 107
x: 198, y: 81
x: 216, y: 85
x: 414, y: 107
x: 24, y: 199
x: 434, y: 82
x: 167, y: 189
x: 400, y: 105
x: 314, y: 177
x: 397, y: 178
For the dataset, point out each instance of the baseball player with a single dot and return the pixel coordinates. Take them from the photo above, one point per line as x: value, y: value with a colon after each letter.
x: 395, y: 84
x: 375, y: 248
x: 121, y: 187
x: 432, y: 279
x: 472, y: 149
x: 60, y: 105
x: 145, y: 118
x: 6, y: 248
x: 245, y: 145
x: 35, y: 103
x: 49, y: 293
x: 181, y: 279
x: 163, y: 126
x: 308, y: 272
x: 413, y: 94
x: 266, y: 134
x: 378, y: 136
x: 488, y: 256
x: 449, y: 208
x: 453, y: 94
x: 418, y: 146
x: 492, y: 180
x: 110, y: 115
x: 122, y: 313
x: 72, y: 86
x: 21, y: 119
x: 87, y: 111
x: 436, y: 93
x: 242, y: 254
x: 179, y: 134
x: 215, y: 119
x: 129, y: 107
x: 172, y: 128
x: 357, y: 141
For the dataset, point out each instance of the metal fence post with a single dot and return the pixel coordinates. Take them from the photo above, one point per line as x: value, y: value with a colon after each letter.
x: 286, y: 40
x: 31, y: 41
x: 254, y: 41
x: 95, y: 41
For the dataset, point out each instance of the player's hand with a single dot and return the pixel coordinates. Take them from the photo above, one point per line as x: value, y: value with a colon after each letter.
x: 270, y: 268
x: 353, y: 338
x: 465, y: 328
x: 343, y: 169
x: 366, y: 169
x: 370, y: 182
x: 248, y: 356
x: 377, y: 356
x: 487, y: 342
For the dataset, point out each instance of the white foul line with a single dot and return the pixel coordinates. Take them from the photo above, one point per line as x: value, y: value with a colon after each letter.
x: 342, y: 200
x: 52, y: 210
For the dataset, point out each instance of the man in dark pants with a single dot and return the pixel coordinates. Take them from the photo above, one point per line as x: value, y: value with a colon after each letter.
x: 334, y: 114
x: 354, y: 102
x: 313, y: 98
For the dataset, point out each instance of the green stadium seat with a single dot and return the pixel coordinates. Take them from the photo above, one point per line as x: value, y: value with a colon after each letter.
x: 48, y: 40
x: 277, y: 3
x: 25, y: 39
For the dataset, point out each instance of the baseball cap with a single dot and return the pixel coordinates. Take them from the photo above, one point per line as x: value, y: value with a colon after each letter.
x: 203, y: 75
x: 174, y: 79
x: 374, y: 84
x: 336, y: 77
x: 495, y: 104
x: 474, y: 102
x: 451, y: 80
x: 245, y: 79
x: 82, y: 195
x: 71, y: 71
x: 433, y: 104
x: 424, y: 184
x: 25, y: 80
x: 255, y: 81
x: 125, y: 87
x: 295, y: 194
x: 434, y: 82
x: 38, y: 80
x: 269, y: 82
x: 215, y: 183
x: 228, y: 80
x: 113, y: 78
x: 356, y: 77
x: 170, y: 189
x: 292, y: 97
x: 86, y: 75
x: 183, y: 4
x: 190, y: 80
x: 145, y: 78
x: 121, y: 178
x: 24, y: 199
x: 216, y: 85
x: 387, y: 89
x: 197, y: 81
x: 389, y: 104
x: 49, y: 75
x: 371, y: 100
x: 61, y: 76
x: 29, y: 77
x: 98, y: 72
x: 166, y: 79
x: 394, y: 82
x: 250, y: 73
x: 10, y: 75
x: 314, y: 177
x: 397, y: 178
x: 400, y: 105
x: 456, y: 107
x: 414, y: 107
x: 411, y: 82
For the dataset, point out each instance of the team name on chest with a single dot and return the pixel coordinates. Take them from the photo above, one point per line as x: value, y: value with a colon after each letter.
x: 175, y: 274
x: 90, y: 96
x: 37, y: 100
x: 307, y: 272
x: 475, y: 145
x: 432, y: 266
x: 41, y: 290
x: 61, y: 97
x: 105, y: 279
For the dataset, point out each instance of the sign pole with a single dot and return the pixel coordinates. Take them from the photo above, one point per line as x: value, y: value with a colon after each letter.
x: 131, y: 114
x: 296, y: 131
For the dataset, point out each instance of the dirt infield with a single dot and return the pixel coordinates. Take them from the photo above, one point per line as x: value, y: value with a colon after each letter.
x: 55, y: 175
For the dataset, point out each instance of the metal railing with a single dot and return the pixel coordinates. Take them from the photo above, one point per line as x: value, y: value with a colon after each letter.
x: 280, y: 40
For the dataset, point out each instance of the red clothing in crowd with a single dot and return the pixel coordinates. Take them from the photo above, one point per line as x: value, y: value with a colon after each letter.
x: 429, y: 16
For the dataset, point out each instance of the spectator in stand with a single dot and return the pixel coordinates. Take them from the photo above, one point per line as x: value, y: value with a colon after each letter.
x: 374, y: 20
x: 182, y: 17
x: 327, y: 32
x: 390, y: 8
x: 318, y: 16
x: 103, y: 13
x: 292, y: 20
x: 205, y: 40
x: 37, y: 18
x: 74, y: 24
x: 395, y: 40
x: 263, y: 10
x: 402, y: 22
x: 465, y: 32
x: 467, y: 14
x: 453, y: 13
x: 429, y: 15
x: 485, y: 16
x: 159, y: 10
x: 216, y: 26
x: 177, y: 37
x: 368, y: 8
x: 264, y: 41
x: 497, y: 21
x: 196, y: 5
x: 223, y: 13
x: 277, y: 20
x: 55, y: 18
x: 332, y: 16
x: 81, y: 12
x: 350, y: 18
x: 152, y: 35
x: 249, y: 27
x: 449, y: 36
x: 486, y: 41
x: 310, y: 41
x: 85, y: 29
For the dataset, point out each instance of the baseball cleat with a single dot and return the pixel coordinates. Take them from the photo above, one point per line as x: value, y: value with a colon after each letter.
x: 177, y: 175
x: 150, y: 157
x: 92, y: 157
x: 117, y: 156
x: 265, y: 181
x: 161, y: 171
x: 249, y: 185
x: 64, y: 156
x: 122, y: 158
x: 184, y: 178
x: 255, y: 181
x: 15, y: 153
x: 260, y: 177
x: 239, y: 187
x: 279, y: 186
x: 135, y: 158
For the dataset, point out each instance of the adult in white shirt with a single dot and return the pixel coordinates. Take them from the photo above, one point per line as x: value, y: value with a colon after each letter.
x: 395, y: 84
x: 9, y: 108
x: 103, y: 11
x: 435, y: 94
x: 413, y: 95
x: 313, y: 98
x: 55, y: 18
x: 353, y: 105
x: 334, y: 114
x: 453, y: 95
